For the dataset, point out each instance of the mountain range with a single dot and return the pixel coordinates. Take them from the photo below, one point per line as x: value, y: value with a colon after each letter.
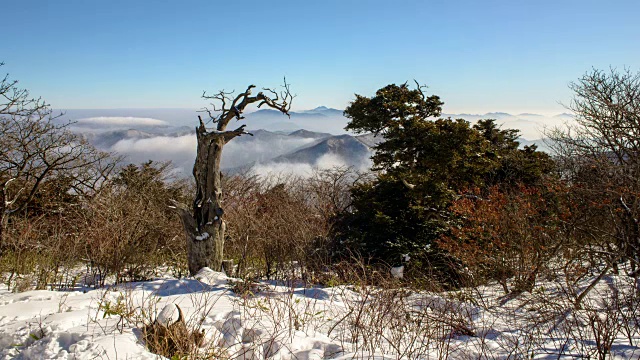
x: 308, y: 139
x: 320, y: 119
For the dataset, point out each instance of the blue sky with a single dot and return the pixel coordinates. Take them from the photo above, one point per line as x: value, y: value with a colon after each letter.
x: 479, y: 56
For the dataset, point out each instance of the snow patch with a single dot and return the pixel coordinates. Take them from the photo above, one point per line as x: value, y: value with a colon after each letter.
x: 203, y: 236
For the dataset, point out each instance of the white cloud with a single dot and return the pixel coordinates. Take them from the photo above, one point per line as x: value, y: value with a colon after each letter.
x: 158, y: 145
x: 326, y: 161
x: 118, y: 121
x: 181, y: 150
x: 282, y: 169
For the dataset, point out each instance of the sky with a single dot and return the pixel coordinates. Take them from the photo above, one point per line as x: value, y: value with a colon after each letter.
x: 478, y: 56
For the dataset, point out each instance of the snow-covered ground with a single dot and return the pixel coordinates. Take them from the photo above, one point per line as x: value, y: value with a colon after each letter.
x: 291, y: 322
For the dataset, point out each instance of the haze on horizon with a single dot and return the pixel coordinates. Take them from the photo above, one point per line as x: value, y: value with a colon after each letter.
x: 479, y: 57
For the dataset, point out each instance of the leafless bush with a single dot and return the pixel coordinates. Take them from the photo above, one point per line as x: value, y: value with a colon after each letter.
x: 599, y: 155
x: 278, y: 225
x: 128, y: 228
x: 508, y: 236
x: 37, y: 151
x: 396, y: 321
x: 593, y: 326
x: 43, y: 249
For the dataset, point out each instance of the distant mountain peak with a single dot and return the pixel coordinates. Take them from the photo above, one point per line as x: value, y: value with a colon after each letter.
x: 309, y: 134
x: 320, y: 109
x: 497, y: 114
x: 263, y: 111
x: 350, y: 150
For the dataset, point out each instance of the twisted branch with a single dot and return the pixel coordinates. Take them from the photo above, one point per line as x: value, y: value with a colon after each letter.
x: 224, y: 108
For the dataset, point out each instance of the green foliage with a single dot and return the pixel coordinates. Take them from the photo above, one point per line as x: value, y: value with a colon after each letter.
x: 116, y: 308
x: 387, y: 221
x: 424, y: 164
x: 392, y: 109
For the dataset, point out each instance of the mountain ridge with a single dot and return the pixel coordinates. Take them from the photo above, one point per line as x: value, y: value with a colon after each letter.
x: 310, y: 138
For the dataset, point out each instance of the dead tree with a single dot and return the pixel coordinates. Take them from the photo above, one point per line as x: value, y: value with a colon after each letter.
x: 204, y: 223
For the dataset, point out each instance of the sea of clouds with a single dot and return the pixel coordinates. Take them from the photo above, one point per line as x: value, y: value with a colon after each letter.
x: 158, y: 140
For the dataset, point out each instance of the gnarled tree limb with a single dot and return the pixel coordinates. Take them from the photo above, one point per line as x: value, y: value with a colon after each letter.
x: 204, y: 225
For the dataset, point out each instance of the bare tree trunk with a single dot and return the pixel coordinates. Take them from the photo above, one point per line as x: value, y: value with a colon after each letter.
x: 208, y: 247
x: 205, y: 229
x: 204, y: 225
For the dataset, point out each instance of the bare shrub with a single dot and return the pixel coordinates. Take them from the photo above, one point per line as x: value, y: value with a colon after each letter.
x: 128, y: 228
x: 599, y: 154
x: 125, y: 230
x: 43, y: 248
x: 278, y: 225
x: 378, y: 315
x: 509, y: 236
x: 36, y: 151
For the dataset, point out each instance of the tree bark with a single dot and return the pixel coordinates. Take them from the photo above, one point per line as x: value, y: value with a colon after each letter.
x: 204, y: 225
x: 208, y: 247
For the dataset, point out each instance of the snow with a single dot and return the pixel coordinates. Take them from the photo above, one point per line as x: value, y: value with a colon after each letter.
x: 169, y: 315
x: 297, y: 322
x: 203, y: 236
x: 397, y: 272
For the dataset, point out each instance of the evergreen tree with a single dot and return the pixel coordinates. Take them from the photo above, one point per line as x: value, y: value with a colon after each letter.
x: 423, y: 164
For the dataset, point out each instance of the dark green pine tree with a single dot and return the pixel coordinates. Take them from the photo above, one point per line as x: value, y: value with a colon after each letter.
x: 423, y: 164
